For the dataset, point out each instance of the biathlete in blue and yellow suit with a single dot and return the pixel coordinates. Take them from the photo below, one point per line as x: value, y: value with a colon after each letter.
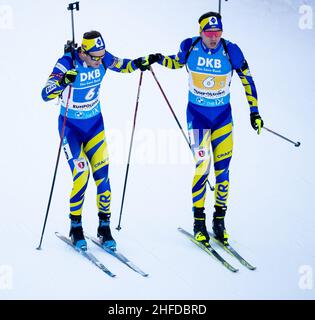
x: 84, y: 140
x: 210, y: 61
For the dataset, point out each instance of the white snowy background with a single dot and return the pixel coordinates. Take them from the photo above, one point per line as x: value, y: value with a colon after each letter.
x: 270, y: 215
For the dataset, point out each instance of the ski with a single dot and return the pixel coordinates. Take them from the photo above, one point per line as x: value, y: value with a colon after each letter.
x: 118, y: 256
x: 228, y: 248
x: 208, y: 250
x: 86, y: 254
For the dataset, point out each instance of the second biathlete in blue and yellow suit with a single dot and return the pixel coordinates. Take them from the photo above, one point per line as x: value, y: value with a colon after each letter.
x: 210, y: 65
x: 84, y: 139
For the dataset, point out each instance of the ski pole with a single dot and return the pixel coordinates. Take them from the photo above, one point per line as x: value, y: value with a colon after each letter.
x: 130, y: 148
x: 220, y: 6
x: 296, y: 144
x: 174, y: 115
x: 73, y: 6
x: 56, y: 168
x: 69, y: 47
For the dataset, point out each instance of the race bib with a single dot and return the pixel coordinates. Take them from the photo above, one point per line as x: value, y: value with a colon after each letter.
x: 209, y: 82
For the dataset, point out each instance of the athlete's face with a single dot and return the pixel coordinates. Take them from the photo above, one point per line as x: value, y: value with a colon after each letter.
x: 93, y: 59
x: 211, y: 38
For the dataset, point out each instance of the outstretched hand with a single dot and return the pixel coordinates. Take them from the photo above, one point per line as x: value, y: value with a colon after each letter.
x: 143, y: 63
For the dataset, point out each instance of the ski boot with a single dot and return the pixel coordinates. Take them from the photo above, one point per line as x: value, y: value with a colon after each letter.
x: 105, y: 236
x: 218, y: 226
x: 76, y: 233
x: 200, y: 229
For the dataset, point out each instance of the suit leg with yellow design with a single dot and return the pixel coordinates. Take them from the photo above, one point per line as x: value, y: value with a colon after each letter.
x: 78, y: 162
x: 201, y: 151
x: 222, y: 146
x: 97, y: 153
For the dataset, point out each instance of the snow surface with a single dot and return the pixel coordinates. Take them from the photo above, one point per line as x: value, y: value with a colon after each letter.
x: 271, y: 209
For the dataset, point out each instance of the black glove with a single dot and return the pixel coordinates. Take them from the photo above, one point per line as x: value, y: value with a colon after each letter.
x: 154, y: 58
x: 143, y: 63
x: 69, y: 77
x: 256, y: 121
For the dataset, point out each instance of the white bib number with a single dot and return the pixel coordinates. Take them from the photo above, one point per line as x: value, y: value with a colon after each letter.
x: 90, y: 95
x: 209, y: 82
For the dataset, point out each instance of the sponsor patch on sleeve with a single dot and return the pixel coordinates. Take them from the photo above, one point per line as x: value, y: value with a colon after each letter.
x: 61, y: 67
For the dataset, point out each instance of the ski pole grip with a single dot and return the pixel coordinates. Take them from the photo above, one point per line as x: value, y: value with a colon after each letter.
x: 73, y: 6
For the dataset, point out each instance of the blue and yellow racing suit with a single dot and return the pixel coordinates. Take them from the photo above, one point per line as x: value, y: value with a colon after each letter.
x: 209, y: 116
x: 84, y: 140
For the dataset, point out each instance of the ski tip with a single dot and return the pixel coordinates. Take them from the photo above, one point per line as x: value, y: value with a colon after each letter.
x: 229, y: 267
x: 58, y: 234
x: 112, y: 275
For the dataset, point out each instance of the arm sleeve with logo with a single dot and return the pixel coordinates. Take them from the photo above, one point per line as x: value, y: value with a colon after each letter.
x: 53, y: 88
x: 241, y: 67
x: 177, y: 61
x: 118, y: 64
